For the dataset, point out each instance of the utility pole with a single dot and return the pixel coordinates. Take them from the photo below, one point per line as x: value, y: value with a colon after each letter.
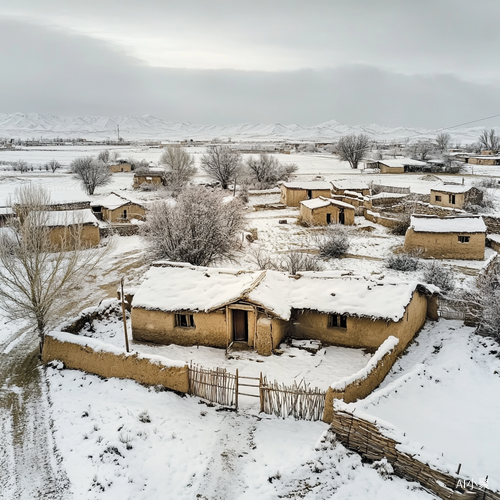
x: 118, y: 132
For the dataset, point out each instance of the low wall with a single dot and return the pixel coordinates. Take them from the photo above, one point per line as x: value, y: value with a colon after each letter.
x: 365, y: 381
x: 379, y: 219
x: 123, y: 230
x: 94, y: 356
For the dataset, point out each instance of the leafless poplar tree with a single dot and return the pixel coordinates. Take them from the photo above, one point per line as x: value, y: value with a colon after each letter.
x: 180, y: 168
x: 37, y: 277
x: 103, y: 156
x: 200, y: 228
x: 266, y: 170
x: 443, y: 141
x: 352, y: 148
x: 91, y: 172
x: 222, y: 164
x: 53, y: 165
x: 420, y: 150
x: 489, y: 140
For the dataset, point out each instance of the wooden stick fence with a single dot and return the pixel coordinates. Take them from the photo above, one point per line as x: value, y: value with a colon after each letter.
x: 299, y: 400
x: 217, y: 385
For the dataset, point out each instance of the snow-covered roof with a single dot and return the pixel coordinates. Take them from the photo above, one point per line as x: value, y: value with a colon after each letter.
x: 321, y: 202
x: 388, y: 195
x: 6, y: 211
x: 114, y: 201
x: 494, y: 237
x: 170, y: 288
x: 471, y: 224
x: 349, y: 184
x: 310, y: 185
x: 69, y: 217
x: 452, y: 188
x: 401, y: 162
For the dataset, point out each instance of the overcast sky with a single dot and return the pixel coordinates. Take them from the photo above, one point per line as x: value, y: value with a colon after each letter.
x: 426, y: 63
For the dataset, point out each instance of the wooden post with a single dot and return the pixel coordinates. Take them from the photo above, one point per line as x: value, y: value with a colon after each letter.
x: 124, y: 318
x: 236, y: 389
x: 261, y: 394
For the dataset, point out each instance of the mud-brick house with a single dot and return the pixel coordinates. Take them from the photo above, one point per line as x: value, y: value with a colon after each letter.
x: 322, y: 211
x: 484, y: 160
x: 292, y: 193
x: 447, y: 238
x: 68, y: 228
x: 258, y: 309
x: 117, y: 209
x: 350, y: 185
x: 401, y: 166
x: 154, y: 177
x: 121, y: 166
x: 456, y: 196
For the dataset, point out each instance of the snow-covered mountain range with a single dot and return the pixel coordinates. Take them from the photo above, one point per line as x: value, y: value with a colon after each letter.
x: 35, y: 125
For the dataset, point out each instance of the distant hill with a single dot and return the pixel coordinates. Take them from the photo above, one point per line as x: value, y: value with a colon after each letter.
x: 149, y: 127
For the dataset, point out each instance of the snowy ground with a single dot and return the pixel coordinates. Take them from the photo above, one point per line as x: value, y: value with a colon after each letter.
x: 188, y: 450
x: 443, y: 395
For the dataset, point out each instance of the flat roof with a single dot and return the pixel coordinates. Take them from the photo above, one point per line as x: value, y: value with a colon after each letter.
x: 308, y: 185
x: 469, y: 224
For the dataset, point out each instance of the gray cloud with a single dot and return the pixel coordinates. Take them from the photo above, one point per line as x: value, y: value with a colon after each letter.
x: 48, y: 70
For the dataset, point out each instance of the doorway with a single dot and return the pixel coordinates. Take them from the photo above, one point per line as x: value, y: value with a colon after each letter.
x: 240, y: 325
x: 328, y: 218
x: 341, y: 217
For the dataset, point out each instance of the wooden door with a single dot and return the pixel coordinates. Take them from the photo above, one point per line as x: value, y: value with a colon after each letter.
x: 240, y: 326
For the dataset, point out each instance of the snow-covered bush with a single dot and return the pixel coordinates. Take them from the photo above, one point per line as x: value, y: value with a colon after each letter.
x: 296, y: 261
x: 403, y: 262
x: 201, y: 228
x: 335, y: 242
x: 436, y: 274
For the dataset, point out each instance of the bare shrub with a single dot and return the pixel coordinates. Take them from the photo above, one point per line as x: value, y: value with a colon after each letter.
x: 295, y: 261
x: 335, y: 242
x: 352, y: 148
x: 103, y: 156
x: 179, y: 166
x: 436, y: 274
x: 266, y: 170
x: 201, y: 228
x: 403, y: 223
x: 91, y: 173
x: 222, y: 164
x: 405, y: 262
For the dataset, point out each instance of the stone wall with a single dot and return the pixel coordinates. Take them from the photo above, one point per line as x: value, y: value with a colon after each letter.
x: 125, y: 230
x: 76, y: 205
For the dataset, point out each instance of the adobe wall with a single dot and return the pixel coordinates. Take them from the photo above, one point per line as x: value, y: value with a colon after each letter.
x: 110, y: 364
x: 292, y: 197
x: 482, y: 161
x: 155, y: 180
x: 89, y: 236
x: 445, y: 245
x: 421, y: 207
x: 133, y: 212
x: 159, y: 327
x: 379, y: 219
x: 270, y: 334
x: 363, y: 332
x: 121, y: 167
x: 384, y: 169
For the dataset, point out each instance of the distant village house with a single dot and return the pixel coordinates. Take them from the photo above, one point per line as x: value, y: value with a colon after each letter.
x: 121, y: 166
x: 292, y: 193
x: 117, y: 209
x: 323, y: 211
x: 455, y: 196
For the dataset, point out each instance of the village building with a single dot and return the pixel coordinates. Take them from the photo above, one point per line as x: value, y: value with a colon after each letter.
x: 121, y: 166
x: 292, y: 193
x: 455, y: 196
x: 152, y: 178
x: 447, y: 238
x: 401, y: 166
x: 484, y: 160
x: 258, y: 309
x: 352, y: 185
x: 322, y: 211
x: 6, y: 214
x: 117, y: 209
x: 70, y: 227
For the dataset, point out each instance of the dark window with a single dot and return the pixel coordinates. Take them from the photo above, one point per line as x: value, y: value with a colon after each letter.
x: 464, y: 239
x: 337, y: 321
x: 452, y: 199
x: 309, y: 194
x: 184, y: 320
x: 438, y: 198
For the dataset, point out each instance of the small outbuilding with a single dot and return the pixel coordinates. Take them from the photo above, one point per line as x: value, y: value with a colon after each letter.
x: 456, y: 196
x: 352, y: 185
x: 121, y: 166
x: 117, y: 209
x: 322, y: 211
x: 258, y: 309
x: 448, y: 238
x: 401, y: 166
x: 292, y: 193
x: 152, y: 178
x: 70, y: 227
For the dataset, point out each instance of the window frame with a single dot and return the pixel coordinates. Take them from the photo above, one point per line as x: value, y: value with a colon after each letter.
x: 188, y: 320
x: 437, y: 197
x: 463, y: 238
x: 337, y: 321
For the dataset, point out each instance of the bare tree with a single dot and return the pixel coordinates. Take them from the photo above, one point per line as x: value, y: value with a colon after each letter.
x: 266, y: 170
x: 37, y: 277
x: 21, y: 166
x: 222, y: 164
x: 91, y: 172
x: 352, y: 148
x: 200, y: 228
x: 489, y: 140
x: 443, y: 141
x: 103, y: 156
x: 180, y: 168
x: 53, y: 165
x: 420, y: 150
